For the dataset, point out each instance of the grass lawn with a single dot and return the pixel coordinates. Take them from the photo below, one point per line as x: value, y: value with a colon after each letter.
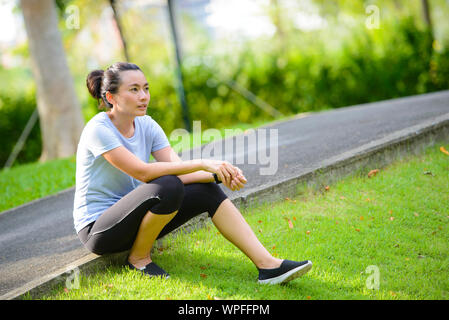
x: 392, y: 227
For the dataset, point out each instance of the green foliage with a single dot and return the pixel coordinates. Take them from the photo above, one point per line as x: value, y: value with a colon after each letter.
x: 298, y: 72
x: 17, y: 103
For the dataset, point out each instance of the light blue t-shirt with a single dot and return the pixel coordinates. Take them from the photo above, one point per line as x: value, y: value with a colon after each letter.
x: 99, y: 184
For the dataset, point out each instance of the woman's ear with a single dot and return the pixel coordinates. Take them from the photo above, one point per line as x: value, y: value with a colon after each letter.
x: 110, y: 97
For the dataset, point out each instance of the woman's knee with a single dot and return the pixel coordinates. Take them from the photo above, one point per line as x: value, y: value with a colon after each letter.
x: 170, y: 193
x: 213, y: 197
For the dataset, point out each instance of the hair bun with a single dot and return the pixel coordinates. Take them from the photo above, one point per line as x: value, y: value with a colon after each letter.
x: 93, y: 82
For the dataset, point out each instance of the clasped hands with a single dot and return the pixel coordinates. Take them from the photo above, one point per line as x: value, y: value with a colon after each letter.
x: 231, y: 176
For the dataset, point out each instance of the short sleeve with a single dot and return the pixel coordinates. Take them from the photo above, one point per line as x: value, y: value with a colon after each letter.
x: 159, y: 138
x: 101, y: 139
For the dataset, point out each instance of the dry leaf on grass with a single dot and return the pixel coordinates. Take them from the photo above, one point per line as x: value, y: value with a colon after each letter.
x: 372, y: 173
x: 442, y: 149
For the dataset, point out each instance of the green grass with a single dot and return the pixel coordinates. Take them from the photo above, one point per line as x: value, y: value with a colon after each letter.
x: 397, y: 221
x: 24, y: 183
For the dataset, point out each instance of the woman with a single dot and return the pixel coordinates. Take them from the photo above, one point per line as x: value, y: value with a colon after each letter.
x: 122, y: 202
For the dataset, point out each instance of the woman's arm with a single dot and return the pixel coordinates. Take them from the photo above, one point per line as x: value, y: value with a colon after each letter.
x: 126, y: 161
x: 202, y: 176
x: 167, y: 154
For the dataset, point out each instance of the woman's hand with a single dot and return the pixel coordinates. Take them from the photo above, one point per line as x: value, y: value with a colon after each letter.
x: 238, y: 181
x: 231, y: 176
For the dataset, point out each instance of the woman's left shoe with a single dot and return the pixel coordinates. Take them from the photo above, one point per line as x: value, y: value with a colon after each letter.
x: 288, y: 271
x: 151, y: 270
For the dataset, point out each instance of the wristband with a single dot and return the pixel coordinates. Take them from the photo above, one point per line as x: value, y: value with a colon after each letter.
x: 216, y: 178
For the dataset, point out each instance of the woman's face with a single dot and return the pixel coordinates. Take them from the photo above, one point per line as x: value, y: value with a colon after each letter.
x: 133, y: 94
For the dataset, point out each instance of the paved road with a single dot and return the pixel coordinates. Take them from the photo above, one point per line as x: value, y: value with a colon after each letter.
x: 39, y: 238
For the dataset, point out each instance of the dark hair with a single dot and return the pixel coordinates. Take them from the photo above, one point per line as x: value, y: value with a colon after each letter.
x: 99, y: 82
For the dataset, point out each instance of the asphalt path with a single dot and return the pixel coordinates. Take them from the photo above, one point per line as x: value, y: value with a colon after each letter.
x: 39, y: 238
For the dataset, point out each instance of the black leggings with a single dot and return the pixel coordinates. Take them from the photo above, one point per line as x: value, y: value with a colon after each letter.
x: 116, y: 229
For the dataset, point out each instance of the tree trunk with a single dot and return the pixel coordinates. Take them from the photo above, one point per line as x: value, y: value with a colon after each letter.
x: 60, y: 116
x: 426, y: 14
x: 118, y: 24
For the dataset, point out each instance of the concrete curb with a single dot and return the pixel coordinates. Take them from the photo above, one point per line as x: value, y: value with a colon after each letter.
x: 376, y: 154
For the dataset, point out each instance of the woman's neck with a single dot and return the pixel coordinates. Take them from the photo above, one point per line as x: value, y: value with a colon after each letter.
x: 124, y: 124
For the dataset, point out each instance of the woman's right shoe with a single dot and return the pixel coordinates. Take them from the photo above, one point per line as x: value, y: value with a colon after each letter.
x: 288, y: 271
x: 151, y: 270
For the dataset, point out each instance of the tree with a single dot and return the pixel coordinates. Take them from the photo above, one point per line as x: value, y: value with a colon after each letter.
x: 426, y: 14
x: 60, y: 116
x: 113, y: 5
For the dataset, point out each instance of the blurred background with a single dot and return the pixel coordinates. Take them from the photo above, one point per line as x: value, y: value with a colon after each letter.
x: 240, y: 61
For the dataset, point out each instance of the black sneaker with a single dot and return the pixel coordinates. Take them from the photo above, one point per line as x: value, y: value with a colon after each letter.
x: 288, y: 271
x: 151, y: 270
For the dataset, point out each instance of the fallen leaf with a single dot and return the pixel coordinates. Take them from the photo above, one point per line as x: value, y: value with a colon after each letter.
x: 444, y: 150
x: 361, y: 218
x: 309, y: 297
x: 202, y: 268
x: 274, y: 247
x: 203, y: 275
x: 358, y: 230
x: 372, y: 173
x: 260, y: 221
x: 290, y: 200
